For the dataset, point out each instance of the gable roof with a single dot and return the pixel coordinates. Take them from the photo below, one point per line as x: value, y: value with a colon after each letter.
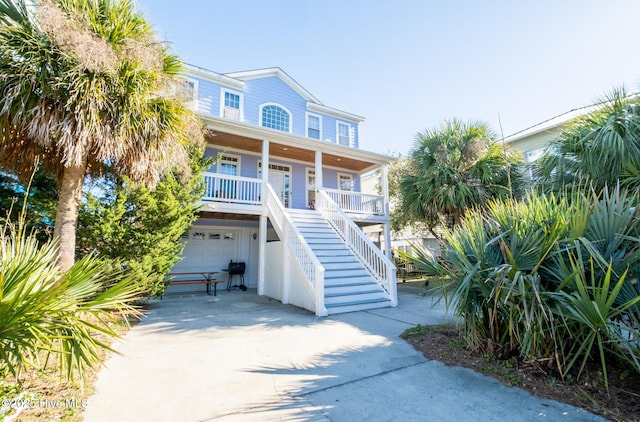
x: 561, y: 120
x: 212, y: 76
x: 313, y: 103
x: 553, y: 122
x: 279, y: 73
x: 236, y: 80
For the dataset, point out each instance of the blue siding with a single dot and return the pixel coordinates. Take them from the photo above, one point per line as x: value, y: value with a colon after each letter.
x: 274, y: 90
x: 208, y: 96
x: 330, y: 129
x: 268, y: 90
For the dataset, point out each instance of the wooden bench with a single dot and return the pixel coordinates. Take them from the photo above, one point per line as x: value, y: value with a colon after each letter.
x: 206, y: 278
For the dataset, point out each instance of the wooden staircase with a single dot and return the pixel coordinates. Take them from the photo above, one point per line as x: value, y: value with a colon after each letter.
x: 348, y: 285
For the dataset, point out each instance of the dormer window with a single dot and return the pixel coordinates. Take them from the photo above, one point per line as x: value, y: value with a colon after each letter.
x: 231, y: 105
x: 314, y: 123
x: 275, y: 117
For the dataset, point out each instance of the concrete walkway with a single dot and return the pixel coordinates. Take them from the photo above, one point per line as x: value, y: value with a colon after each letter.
x: 242, y: 357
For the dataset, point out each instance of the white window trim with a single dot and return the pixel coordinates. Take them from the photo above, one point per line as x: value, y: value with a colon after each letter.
x: 287, y: 169
x: 307, y: 173
x: 351, y: 133
x: 221, y: 160
x: 306, y: 124
x: 193, y: 103
x: 240, y: 94
x: 262, y: 106
x: 350, y: 177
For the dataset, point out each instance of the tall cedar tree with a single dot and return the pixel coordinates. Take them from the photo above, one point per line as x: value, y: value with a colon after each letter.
x: 140, y: 228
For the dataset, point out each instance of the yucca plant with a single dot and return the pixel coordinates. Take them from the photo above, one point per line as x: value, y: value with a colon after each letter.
x: 45, y: 312
x: 593, y: 319
x: 514, y: 278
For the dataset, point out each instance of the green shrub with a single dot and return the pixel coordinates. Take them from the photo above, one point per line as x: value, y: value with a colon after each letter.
x: 140, y: 228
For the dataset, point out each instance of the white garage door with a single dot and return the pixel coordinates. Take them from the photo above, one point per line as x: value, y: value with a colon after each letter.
x: 208, y: 249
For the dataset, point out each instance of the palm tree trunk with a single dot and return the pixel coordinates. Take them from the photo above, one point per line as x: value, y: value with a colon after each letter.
x: 69, y: 194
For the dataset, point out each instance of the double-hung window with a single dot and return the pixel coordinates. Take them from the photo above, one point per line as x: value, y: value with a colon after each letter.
x: 231, y: 105
x: 314, y: 123
x: 344, y: 134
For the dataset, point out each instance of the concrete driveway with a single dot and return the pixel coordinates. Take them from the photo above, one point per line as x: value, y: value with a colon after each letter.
x: 242, y: 357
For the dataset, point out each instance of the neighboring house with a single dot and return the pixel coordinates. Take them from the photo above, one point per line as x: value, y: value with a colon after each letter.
x: 297, y: 224
x: 533, y: 140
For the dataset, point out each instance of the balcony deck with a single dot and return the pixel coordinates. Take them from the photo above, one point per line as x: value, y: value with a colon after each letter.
x: 242, y: 195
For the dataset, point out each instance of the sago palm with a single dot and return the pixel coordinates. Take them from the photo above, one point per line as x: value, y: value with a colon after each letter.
x: 83, y: 83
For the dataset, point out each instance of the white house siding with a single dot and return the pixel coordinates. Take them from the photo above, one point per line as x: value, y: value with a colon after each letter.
x: 274, y: 271
x: 275, y: 274
x: 535, y: 142
x: 210, y: 248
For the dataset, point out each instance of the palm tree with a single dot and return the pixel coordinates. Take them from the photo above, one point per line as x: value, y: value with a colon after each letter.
x: 84, y: 83
x: 602, y: 147
x: 456, y: 167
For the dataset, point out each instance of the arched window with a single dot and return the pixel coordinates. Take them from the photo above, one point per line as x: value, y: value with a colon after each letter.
x: 276, y: 117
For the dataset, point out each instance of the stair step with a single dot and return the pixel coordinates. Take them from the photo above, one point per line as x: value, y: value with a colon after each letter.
x: 348, y: 273
x: 340, y: 300
x: 359, y: 291
x: 321, y: 241
x: 348, y: 285
x: 314, y: 235
x: 346, y: 281
x: 301, y: 225
x: 357, y: 306
x: 336, y: 259
x: 312, y: 225
x: 317, y: 247
x: 315, y: 229
x: 340, y: 266
x: 302, y: 211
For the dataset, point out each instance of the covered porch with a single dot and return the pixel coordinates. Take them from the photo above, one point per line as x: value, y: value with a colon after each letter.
x: 243, y: 195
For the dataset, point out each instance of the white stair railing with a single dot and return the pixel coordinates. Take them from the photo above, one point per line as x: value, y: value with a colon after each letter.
x: 299, y: 250
x: 378, y: 265
x: 357, y: 202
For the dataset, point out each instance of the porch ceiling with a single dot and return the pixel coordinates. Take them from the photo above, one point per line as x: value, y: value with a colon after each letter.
x: 228, y: 216
x: 227, y: 140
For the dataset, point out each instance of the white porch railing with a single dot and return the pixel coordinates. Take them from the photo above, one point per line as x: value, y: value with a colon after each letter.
x: 299, y: 250
x: 236, y: 189
x: 380, y: 267
x: 357, y: 202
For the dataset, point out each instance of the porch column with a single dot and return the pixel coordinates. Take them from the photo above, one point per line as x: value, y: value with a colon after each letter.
x: 384, y: 186
x: 265, y: 160
x: 261, y: 253
x: 263, y: 218
x: 319, y: 183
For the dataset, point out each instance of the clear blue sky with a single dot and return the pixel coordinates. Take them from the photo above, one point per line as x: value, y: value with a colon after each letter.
x: 409, y: 65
